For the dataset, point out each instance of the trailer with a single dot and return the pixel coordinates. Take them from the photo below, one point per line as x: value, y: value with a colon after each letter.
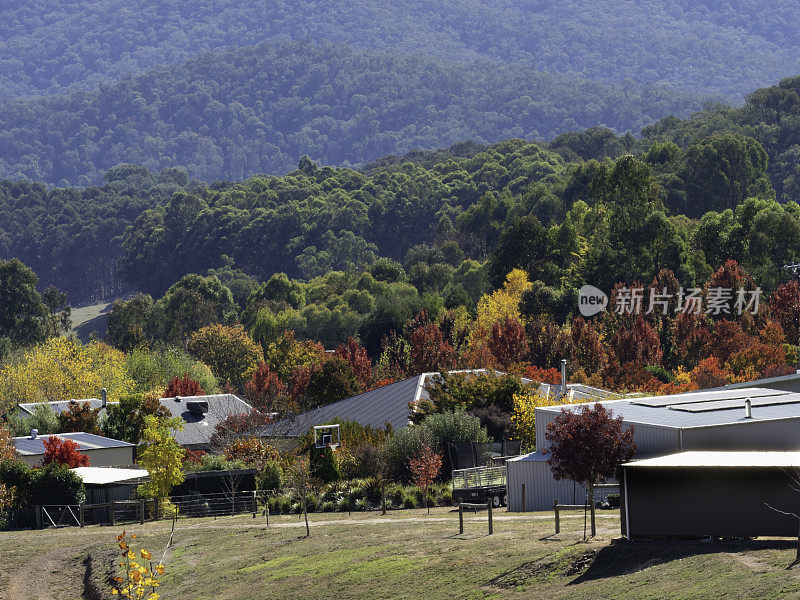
x: 480, y: 484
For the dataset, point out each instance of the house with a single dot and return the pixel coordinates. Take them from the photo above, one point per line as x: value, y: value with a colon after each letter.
x: 390, y: 405
x: 109, y: 484
x: 710, y: 494
x: 102, y: 451
x: 201, y: 415
x: 701, y: 420
x: 60, y: 406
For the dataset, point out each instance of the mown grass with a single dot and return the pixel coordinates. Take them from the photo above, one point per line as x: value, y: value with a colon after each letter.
x: 408, y: 555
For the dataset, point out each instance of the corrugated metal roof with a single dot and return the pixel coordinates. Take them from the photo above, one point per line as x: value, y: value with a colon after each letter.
x: 721, y: 459
x: 106, y: 475
x: 633, y: 410
x: 86, y: 441
x: 198, y: 428
x: 61, y: 405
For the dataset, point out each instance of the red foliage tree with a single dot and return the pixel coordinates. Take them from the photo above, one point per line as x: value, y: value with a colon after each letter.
x: 727, y: 338
x: 586, y: 446
x: 185, y: 386
x: 298, y: 384
x: 692, y: 338
x: 429, y: 351
x: 637, y: 344
x: 238, y: 426
x: 63, y: 452
x: 358, y: 359
x: 587, y: 348
x: 264, y: 389
x: 784, y: 306
x: 709, y: 373
x: 79, y: 417
x: 551, y: 375
x: 425, y: 469
x: 507, y: 342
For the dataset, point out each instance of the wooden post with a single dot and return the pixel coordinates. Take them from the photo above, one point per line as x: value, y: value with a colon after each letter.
x: 38, y: 511
x: 155, y: 509
x: 591, y: 508
x: 112, y: 514
x: 491, y: 525
x: 523, y: 498
x: 141, y: 511
x: 558, y: 523
x: 255, y: 504
x: 383, y: 499
x: 80, y: 514
x: 266, y: 512
x: 460, y: 518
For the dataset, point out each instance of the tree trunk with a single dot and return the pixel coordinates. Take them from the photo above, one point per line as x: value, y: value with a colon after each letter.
x: 305, y: 514
x: 426, y: 501
x: 383, y: 499
x: 591, y: 507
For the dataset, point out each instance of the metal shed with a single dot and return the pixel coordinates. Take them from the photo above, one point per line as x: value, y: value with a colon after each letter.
x: 702, y: 420
x: 102, y: 451
x: 699, y: 494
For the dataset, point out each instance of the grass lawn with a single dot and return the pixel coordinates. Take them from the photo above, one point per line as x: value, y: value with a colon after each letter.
x: 406, y: 554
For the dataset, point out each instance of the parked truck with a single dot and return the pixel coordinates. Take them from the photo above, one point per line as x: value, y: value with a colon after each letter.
x: 479, y: 471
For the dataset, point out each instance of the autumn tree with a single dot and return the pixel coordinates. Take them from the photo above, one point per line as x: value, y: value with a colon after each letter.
x: 161, y: 456
x: 298, y: 475
x: 288, y: 353
x: 507, y: 342
x: 784, y: 306
x: 265, y: 390
x: 125, y: 420
x: 229, y: 351
x: 7, y: 453
x: 429, y: 350
x: 330, y: 382
x: 183, y: 386
x: 503, y: 303
x: 64, y: 453
x: 234, y: 427
x: 425, y: 469
x: 586, y: 446
x: 79, y: 416
x: 357, y: 358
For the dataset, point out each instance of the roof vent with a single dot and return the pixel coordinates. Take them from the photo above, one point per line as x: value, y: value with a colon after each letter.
x: 197, y: 407
x: 34, y: 434
x: 748, y: 409
x: 104, y: 397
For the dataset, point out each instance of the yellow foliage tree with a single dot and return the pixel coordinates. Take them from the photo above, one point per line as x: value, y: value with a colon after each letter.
x: 524, y: 415
x: 162, y: 456
x: 64, y: 369
x: 140, y: 577
x: 7, y: 452
x: 503, y: 303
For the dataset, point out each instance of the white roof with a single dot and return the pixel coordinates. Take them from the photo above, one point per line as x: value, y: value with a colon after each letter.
x: 698, y: 458
x: 101, y: 475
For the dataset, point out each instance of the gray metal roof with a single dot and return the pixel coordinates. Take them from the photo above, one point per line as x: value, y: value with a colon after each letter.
x: 86, y: 441
x: 723, y: 407
x: 537, y: 456
x: 61, y: 405
x: 390, y: 403
x: 698, y: 458
x: 199, y: 425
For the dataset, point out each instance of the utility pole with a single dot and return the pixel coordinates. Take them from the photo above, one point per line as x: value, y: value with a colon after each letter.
x: 794, y: 269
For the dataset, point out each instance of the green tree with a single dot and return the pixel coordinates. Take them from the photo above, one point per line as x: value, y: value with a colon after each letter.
x: 23, y: 315
x: 161, y: 456
x: 229, y: 351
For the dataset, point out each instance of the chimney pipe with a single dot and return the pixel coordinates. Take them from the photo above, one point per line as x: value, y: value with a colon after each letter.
x: 563, y: 376
x: 748, y: 409
x: 34, y: 434
x: 104, y: 397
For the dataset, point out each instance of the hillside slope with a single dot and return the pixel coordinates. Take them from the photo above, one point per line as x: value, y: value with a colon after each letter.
x: 258, y: 110
x: 50, y: 46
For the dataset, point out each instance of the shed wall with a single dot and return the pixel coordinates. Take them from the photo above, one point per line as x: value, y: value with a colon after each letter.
x: 708, y: 501
x: 98, y: 457
x: 754, y: 435
x: 541, y: 488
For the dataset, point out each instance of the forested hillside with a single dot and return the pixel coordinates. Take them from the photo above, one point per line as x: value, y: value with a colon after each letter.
x: 50, y: 46
x: 258, y: 110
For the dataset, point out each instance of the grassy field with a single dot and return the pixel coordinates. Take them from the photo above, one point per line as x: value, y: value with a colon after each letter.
x: 406, y: 554
x: 90, y: 320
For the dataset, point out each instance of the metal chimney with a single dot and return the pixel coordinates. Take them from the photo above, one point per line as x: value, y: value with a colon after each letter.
x: 34, y: 434
x: 563, y: 376
x: 748, y: 409
x: 104, y: 397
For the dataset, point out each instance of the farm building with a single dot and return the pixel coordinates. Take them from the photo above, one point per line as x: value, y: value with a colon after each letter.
x: 107, y: 484
x: 717, y: 494
x: 102, y: 451
x: 390, y: 405
x: 201, y: 415
x: 788, y: 383
x: 702, y: 420
x: 28, y: 408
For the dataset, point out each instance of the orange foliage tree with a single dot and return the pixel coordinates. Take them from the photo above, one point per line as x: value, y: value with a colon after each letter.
x: 183, y: 386
x: 64, y: 452
x: 424, y: 469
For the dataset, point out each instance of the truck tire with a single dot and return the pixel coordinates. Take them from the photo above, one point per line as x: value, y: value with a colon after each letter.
x: 505, y: 499
x: 497, y: 500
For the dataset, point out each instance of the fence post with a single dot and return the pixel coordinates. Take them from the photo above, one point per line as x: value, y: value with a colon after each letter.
x: 38, y: 511
x: 491, y: 525
x: 523, y: 498
x: 555, y: 509
x: 141, y: 511
x: 155, y: 509
x: 460, y: 518
x: 383, y: 499
x: 112, y: 513
x: 81, y: 514
x: 255, y: 504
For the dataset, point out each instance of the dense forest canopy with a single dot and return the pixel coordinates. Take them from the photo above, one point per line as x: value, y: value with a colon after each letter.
x: 52, y: 46
x: 259, y: 110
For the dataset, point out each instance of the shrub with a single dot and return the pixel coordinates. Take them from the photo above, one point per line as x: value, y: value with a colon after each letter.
x: 312, y: 501
x: 410, y: 500
x: 151, y: 369
x: 361, y: 461
x: 343, y: 504
x: 270, y: 477
x: 360, y: 504
x: 328, y: 506
x: 323, y: 465
x: 405, y: 444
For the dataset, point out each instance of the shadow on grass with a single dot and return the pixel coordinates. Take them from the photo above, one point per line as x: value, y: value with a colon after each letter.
x: 625, y: 558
